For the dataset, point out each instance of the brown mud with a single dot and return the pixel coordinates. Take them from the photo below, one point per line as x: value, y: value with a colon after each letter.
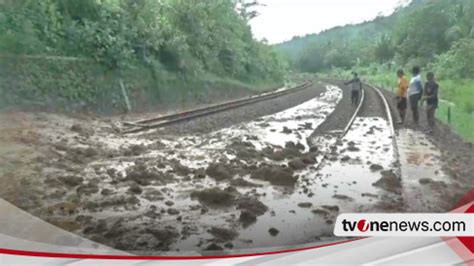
x: 154, y: 193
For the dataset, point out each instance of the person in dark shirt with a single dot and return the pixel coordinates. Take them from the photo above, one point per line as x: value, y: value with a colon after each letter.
x: 431, y: 98
x: 356, y: 89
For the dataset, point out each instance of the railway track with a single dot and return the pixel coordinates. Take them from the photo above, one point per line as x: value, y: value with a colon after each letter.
x: 364, y: 102
x: 354, y: 116
x: 363, y: 99
x: 390, y: 120
x: 166, y: 120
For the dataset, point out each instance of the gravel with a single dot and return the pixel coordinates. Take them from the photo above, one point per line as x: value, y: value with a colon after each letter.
x: 337, y: 121
x: 373, y: 105
x: 344, y: 111
x: 242, y: 114
x: 339, y: 118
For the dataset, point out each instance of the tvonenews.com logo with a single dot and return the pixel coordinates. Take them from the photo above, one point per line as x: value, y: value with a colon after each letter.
x: 405, y: 225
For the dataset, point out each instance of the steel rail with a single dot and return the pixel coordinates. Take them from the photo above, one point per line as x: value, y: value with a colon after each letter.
x: 388, y: 112
x: 354, y: 116
x: 356, y: 113
x: 166, y: 120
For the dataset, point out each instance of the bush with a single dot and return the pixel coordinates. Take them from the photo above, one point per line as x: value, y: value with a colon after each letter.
x: 185, y: 36
x: 469, y: 107
x: 458, y: 62
x: 147, y: 42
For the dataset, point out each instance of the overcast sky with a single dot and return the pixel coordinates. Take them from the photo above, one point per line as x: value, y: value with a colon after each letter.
x: 280, y: 20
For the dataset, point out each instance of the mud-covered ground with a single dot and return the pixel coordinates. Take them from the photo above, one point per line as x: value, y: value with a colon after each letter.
x: 158, y: 192
x: 438, y: 167
x: 266, y: 181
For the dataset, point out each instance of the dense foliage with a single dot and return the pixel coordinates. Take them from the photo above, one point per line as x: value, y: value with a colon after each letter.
x: 436, y: 33
x: 187, y: 38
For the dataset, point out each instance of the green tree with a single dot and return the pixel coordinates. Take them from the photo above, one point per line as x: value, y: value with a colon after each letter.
x: 458, y: 61
x: 384, y: 50
x: 187, y: 37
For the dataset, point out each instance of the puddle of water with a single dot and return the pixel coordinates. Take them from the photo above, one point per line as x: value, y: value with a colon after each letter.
x: 330, y: 185
x: 300, y: 225
x: 354, y: 191
x: 349, y: 168
x: 300, y: 121
x: 343, y: 180
x: 197, y: 151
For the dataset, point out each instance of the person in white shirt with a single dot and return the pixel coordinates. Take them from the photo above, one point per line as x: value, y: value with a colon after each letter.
x: 415, y: 92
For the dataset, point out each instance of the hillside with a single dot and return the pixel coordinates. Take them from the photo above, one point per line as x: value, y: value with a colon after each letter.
x: 295, y: 47
x: 68, y: 51
x: 436, y: 35
x: 406, y: 37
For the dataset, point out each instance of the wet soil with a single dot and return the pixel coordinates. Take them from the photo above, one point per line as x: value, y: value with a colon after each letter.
x: 256, y: 184
x: 443, y: 154
x: 373, y: 105
x: 147, y: 194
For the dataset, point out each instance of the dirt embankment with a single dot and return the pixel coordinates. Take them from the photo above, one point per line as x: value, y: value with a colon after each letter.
x: 457, y: 155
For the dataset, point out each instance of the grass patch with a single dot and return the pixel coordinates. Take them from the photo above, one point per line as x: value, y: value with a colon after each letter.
x: 461, y: 121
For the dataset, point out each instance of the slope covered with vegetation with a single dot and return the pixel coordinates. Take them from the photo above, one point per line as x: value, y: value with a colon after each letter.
x: 436, y: 35
x: 77, y: 50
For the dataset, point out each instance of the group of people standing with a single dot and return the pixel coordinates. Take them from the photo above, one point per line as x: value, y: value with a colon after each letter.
x: 409, y: 93
x: 416, y: 95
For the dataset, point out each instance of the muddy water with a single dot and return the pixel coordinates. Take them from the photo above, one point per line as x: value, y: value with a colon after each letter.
x: 88, y: 188
x: 307, y: 213
x: 294, y: 124
x: 138, y: 193
x: 300, y: 214
x: 357, y: 162
x: 149, y: 195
